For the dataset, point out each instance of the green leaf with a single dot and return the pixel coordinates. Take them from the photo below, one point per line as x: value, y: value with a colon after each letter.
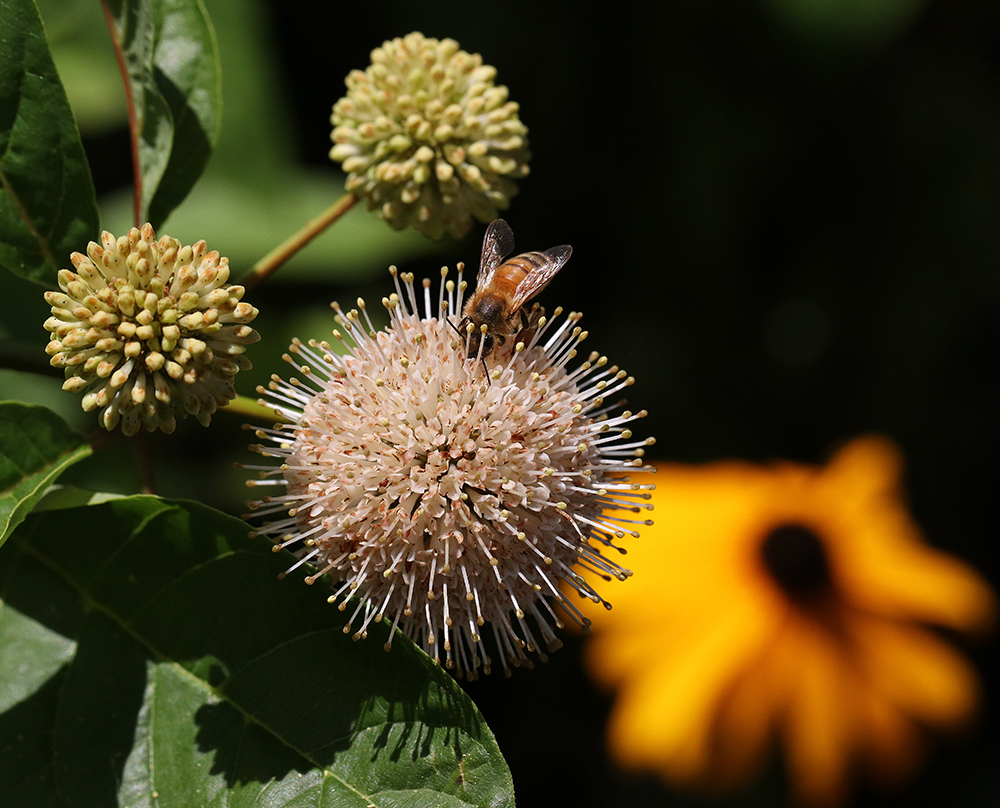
x: 47, y: 203
x: 148, y: 649
x: 60, y: 497
x: 36, y: 446
x: 173, y: 78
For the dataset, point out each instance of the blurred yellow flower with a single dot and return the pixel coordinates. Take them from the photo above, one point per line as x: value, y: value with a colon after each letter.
x: 788, y: 603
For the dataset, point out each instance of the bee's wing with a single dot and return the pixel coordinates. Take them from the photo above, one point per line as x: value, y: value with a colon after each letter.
x: 550, y: 262
x: 497, y: 245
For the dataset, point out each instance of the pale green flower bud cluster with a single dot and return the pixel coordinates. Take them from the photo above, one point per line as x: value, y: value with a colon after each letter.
x: 149, y: 330
x: 427, y: 138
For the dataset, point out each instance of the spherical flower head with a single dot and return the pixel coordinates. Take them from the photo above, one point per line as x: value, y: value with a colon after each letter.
x: 427, y: 138
x: 448, y: 494
x: 791, y: 604
x: 149, y: 330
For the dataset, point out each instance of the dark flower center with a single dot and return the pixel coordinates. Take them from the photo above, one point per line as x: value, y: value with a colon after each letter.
x: 795, y: 558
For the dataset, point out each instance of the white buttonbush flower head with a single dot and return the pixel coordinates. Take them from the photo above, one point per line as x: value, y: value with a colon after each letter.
x: 149, y: 330
x: 427, y: 138
x: 450, y: 495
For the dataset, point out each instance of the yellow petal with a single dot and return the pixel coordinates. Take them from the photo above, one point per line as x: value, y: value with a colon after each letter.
x: 738, y: 660
x: 897, y: 576
x: 867, y: 468
x: 892, y: 744
x: 821, y: 714
x: 744, y: 725
x: 664, y: 714
x: 916, y: 671
x: 616, y: 655
x: 881, y: 560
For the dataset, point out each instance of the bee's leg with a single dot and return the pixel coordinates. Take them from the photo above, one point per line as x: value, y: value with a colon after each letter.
x: 533, y: 316
x: 529, y: 323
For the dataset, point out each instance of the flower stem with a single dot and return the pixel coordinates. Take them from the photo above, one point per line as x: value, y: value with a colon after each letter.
x: 134, y: 124
x: 280, y: 254
x: 250, y: 408
x: 141, y: 446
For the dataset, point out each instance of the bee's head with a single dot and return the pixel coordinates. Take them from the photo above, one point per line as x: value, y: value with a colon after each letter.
x: 469, y: 329
x: 488, y: 340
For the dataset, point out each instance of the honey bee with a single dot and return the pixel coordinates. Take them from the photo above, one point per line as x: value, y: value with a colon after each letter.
x: 504, y: 286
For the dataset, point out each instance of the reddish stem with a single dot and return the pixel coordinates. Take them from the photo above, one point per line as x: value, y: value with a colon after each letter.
x: 141, y: 446
x: 133, y: 121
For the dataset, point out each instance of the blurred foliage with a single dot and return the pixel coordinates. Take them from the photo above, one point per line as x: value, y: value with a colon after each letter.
x: 856, y: 21
x: 85, y: 58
